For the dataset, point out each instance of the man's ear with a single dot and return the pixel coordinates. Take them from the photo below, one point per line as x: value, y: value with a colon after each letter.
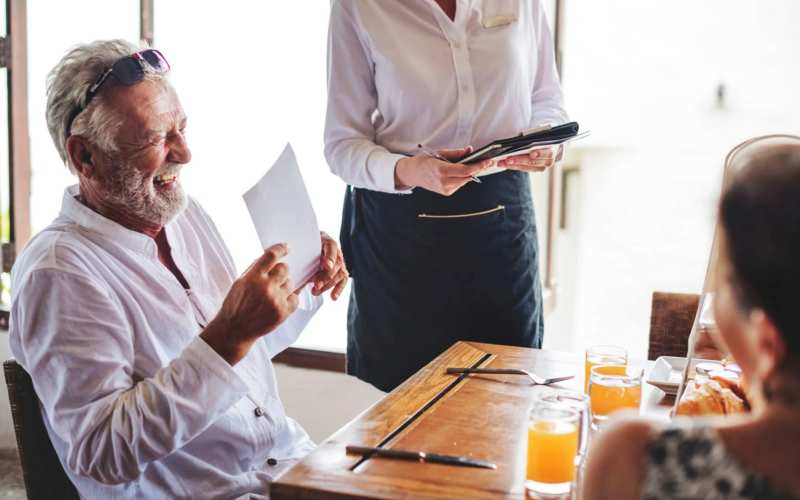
x: 81, y: 155
x: 770, y: 344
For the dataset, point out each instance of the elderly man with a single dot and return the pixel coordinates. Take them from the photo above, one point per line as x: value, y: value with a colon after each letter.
x: 151, y: 360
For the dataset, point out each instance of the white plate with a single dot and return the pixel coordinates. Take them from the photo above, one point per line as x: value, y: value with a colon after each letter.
x: 667, y: 372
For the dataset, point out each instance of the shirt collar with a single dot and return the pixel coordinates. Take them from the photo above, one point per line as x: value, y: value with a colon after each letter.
x: 87, y: 218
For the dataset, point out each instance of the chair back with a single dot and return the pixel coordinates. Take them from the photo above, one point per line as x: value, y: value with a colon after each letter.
x: 41, y: 470
x: 671, y: 319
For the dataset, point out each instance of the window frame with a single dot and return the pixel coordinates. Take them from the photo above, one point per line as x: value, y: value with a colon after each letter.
x: 19, y: 165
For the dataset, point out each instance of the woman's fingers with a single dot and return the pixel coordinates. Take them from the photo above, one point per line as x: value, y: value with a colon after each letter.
x: 454, y: 154
x: 460, y: 170
x: 535, y: 161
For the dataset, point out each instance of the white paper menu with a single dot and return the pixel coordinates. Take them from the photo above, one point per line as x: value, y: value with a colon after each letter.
x: 282, y: 213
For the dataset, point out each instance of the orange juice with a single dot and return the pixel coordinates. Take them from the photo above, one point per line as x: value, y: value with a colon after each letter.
x: 618, y: 364
x: 602, y: 355
x: 552, y: 446
x: 612, y: 389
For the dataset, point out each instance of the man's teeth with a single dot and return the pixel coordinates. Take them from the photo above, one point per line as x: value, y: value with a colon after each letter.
x: 163, y: 179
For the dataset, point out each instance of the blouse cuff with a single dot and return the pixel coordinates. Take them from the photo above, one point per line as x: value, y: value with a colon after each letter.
x: 383, y: 163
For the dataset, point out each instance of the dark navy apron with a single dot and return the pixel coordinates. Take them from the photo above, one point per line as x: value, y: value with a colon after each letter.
x: 429, y: 270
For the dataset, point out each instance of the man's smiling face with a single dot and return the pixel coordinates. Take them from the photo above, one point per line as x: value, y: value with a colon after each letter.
x: 141, y: 179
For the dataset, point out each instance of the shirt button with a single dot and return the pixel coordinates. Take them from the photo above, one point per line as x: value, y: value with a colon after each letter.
x: 259, y: 411
x: 272, y: 462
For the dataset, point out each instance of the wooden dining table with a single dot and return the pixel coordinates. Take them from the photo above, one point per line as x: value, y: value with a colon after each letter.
x: 478, y: 416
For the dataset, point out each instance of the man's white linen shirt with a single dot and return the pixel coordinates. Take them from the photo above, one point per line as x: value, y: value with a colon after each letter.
x: 403, y: 73
x: 136, y: 404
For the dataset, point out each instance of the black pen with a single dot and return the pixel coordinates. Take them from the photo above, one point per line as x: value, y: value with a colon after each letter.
x: 418, y: 456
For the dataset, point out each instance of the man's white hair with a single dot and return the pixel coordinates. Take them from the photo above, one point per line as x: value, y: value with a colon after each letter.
x: 67, y: 85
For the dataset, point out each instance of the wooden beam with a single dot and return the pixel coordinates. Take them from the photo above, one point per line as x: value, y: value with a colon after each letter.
x: 18, y: 129
x: 146, y: 24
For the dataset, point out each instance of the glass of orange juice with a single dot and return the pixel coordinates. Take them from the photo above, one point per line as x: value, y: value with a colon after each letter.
x: 602, y: 355
x: 579, y: 402
x: 613, y: 388
x: 554, y: 430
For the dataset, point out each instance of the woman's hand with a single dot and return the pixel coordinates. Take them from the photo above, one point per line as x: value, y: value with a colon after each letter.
x: 436, y: 175
x: 537, y: 160
x: 332, y: 270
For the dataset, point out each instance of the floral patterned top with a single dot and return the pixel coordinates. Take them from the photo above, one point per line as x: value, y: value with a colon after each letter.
x: 691, y: 462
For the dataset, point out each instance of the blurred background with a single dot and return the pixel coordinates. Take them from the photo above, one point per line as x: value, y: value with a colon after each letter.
x: 667, y: 88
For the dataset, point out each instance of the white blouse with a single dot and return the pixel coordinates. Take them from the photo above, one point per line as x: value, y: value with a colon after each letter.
x: 135, y: 403
x: 402, y: 73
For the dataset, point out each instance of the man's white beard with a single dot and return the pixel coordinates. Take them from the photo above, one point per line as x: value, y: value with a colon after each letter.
x: 138, y: 194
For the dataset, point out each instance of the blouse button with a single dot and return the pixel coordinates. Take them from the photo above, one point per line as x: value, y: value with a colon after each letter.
x: 272, y: 462
x: 259, y: 411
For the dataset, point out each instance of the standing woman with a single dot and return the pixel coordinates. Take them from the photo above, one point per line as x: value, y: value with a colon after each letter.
x: 435, y: 256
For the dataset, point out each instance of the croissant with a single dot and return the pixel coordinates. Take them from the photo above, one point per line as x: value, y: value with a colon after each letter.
x: 731, y: 380
x: 709, y: 397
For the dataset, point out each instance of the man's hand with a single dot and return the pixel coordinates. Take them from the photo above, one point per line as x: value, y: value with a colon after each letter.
x: 537, y: 160
x: 436, y: 175
x: 332, y: 270
x: 260, y: 300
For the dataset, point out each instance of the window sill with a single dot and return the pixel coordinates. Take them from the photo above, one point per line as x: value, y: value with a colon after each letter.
x: 314, y: 359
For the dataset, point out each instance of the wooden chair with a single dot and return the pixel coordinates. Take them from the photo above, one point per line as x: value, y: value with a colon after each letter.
x: 41, y: 470
x: 671, y: 319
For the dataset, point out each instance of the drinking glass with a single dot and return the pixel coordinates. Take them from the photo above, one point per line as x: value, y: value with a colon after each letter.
x: 603, y: 355
x: 554, y: 431
x: 579, y: 402
x: 613, y: 388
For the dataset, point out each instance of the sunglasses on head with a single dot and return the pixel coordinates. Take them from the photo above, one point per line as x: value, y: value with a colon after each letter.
x: 128, y: 70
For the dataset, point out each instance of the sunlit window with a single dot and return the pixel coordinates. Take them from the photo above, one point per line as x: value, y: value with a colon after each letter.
x: 251, y: 77
x: 53, y: 28
x: 668, y: 88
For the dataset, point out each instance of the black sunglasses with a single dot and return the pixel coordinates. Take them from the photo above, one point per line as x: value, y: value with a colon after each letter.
x: 128, y: 70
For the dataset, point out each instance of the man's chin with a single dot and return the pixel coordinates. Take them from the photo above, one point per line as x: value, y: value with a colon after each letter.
x: 174, y: 206
x: 164, y: 205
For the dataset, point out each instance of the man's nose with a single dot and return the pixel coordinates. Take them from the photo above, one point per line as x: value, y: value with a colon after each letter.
x: 179, y: 151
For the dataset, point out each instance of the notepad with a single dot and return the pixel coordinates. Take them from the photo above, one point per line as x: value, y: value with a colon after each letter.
x: 525, y: 143
x: 282, y: 213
